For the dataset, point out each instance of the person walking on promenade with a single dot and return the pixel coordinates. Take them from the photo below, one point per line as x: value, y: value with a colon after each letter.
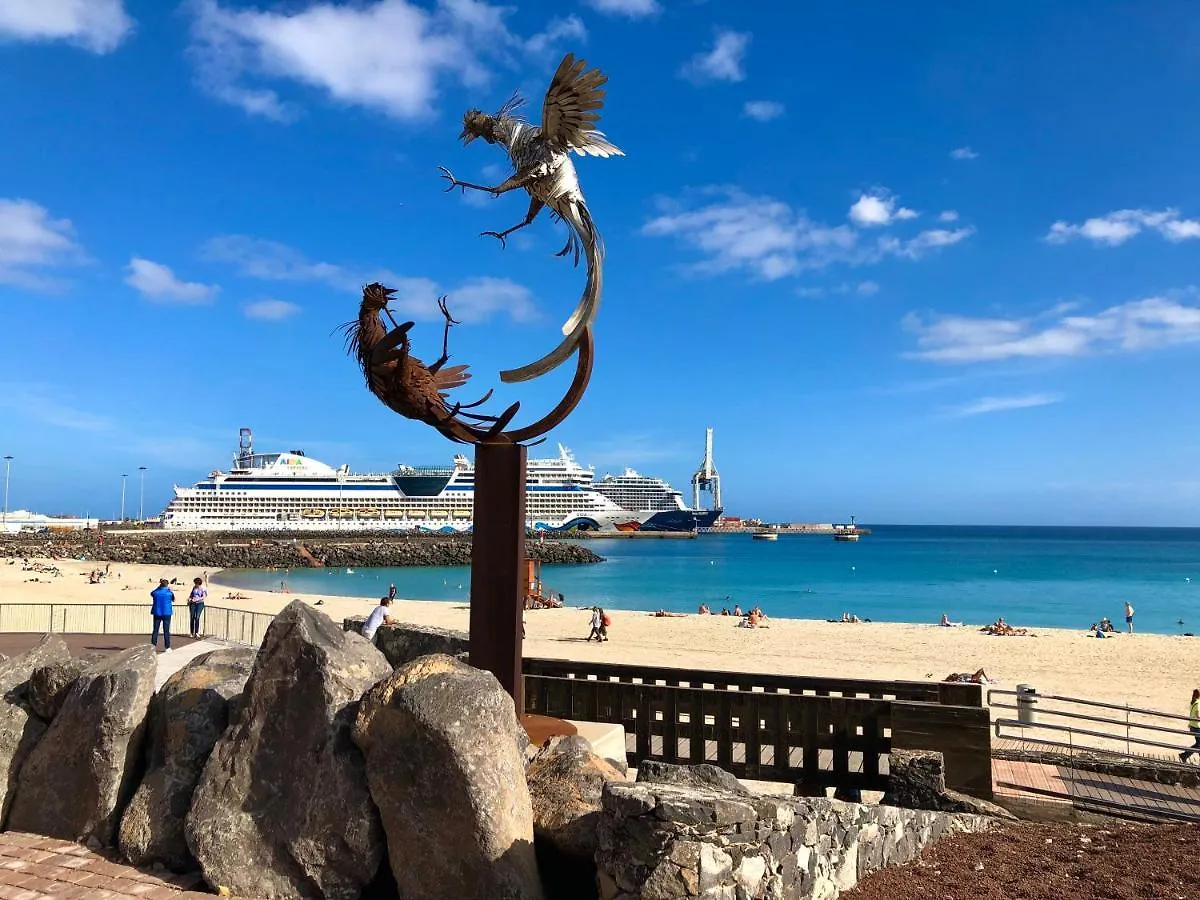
x: 1128, y: 617
x: 162, y: 607
x: 196, y: 606
x: 596, y: 620
x: 1193, y: 726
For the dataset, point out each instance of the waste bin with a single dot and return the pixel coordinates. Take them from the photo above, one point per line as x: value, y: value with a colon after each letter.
x: 1026, y: 704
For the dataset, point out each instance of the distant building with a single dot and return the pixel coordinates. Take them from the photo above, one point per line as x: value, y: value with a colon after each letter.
x: 22, y: 520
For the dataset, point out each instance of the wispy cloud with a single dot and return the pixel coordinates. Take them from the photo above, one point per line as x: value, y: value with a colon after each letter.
x: 963, y: 153
x: 762, y: 110
x: 96, y: 25
x: 866, y: 288
x: 270, y: 310
x: 768, y: 238
x: 472, y: 300
x: 31, y: 242
x: 635, y: 449
x: 986, y: 405
x: 877, y: 209
x: 948, y: 215
x: 722, y: 62
x: 633, y: 9
x: 1146, y: 324
x: 391, y: 55
x: 1117, y: 227
x: 155, y: 281
x: 41, y: 403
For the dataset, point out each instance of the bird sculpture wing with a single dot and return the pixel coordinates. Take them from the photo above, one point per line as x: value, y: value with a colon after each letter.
x: 570, y: 110
x: 450, y: 378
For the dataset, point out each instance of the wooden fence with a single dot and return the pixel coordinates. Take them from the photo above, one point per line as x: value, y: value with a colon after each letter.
x: 811, y: 740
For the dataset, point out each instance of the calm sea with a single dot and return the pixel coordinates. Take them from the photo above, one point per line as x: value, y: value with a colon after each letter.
x: 1059, y: 577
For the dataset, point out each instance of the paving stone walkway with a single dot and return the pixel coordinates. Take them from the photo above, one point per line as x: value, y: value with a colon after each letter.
x: 37, y: 868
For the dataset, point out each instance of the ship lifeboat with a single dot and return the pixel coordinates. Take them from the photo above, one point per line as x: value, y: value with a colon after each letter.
x: 393, y: 514
x: 341, y: 513
x: 368, y: 512
x: 312, y: 513
x: 462, y: 514
x: 417, y: 514
x: 438, y: 514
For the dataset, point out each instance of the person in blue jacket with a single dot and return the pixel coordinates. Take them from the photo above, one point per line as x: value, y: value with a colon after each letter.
x: 162, y: 607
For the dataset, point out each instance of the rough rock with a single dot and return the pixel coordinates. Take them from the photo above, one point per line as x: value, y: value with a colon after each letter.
x: 20, y: 730
x: 917, y: 780
x: 404, y: 642
x: 282, y: 809
x: 83, y: 771
x: 187, y: 716
x: 704, y: 775
x: 566, y: 782
x: 48, y: 685
x: 443, y: 750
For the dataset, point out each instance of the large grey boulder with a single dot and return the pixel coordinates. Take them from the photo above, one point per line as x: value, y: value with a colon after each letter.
x: 444, y: 760
x: 282, y: 810
x: 83, y: 771
x: 187, y: 716
x: 20, y: 729
x: 404, y: 641
x: 917, y: 780
x: 48, y: 684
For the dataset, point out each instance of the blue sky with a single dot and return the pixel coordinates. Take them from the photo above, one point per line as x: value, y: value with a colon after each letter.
x: 916, y: 262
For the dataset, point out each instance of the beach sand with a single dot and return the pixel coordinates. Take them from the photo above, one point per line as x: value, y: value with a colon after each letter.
x: 1146, y: 670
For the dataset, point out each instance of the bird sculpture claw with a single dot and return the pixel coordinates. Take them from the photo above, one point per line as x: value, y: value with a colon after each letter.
x: 454, y: 182
x: 498, y: 236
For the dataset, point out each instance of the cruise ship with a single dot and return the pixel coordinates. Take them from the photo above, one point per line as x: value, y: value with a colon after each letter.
x: 290, y: 491
x: 634, y: 491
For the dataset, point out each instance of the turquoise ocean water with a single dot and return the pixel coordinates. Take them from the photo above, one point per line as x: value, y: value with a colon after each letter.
x: 1048, y: 577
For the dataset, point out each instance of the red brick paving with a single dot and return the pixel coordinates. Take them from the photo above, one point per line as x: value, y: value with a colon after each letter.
x: 37, y: 868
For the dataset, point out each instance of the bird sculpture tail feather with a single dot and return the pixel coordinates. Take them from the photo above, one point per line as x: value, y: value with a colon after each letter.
x: 583, y: 234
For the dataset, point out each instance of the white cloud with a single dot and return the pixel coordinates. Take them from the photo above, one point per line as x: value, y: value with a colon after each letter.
x: 633, y: 9
x: 96, y: 25
x: 1003, y: 404
x: 30, y: 240
x: 473, y: 300
x: 963, y: 153
x: 270, y: 310
x: 771, y: 240
x: 1145, y: 324
x: 948, y: 215
x: 867, y: 288
x: 723, y: 62
x: 39, y: 402
x: 877, y: 209
x: 923, y: 243
x: 388, y: 55
x: 762, y: 110
x: 1117, y: 227
x: 157, y: 282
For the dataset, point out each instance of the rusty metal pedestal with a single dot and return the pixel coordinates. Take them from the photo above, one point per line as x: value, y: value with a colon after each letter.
x: 498, y: 564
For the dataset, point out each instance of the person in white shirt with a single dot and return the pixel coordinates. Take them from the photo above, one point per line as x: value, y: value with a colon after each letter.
x: 378, y: 617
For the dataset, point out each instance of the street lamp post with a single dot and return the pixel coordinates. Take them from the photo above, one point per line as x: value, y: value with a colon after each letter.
x: 7, y: 470
x: 123, y: 477
x: 141, y: 493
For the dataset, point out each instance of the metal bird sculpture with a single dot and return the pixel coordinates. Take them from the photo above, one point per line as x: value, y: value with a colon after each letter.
x: 541, y: 159
x: 408, y: 386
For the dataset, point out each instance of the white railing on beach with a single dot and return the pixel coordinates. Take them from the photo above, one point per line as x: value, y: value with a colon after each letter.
x: 236, y: 625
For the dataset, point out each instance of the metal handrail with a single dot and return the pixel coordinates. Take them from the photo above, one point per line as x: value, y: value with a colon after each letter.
x: 1080, y: 701
x: 237, y: 625
x: 1085, y: 731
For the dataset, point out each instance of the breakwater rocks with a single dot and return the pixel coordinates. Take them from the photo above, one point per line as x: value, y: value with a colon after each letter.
x: 240, y: 551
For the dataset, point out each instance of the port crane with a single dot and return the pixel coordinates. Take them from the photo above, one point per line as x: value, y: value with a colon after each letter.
x: 706, y: 477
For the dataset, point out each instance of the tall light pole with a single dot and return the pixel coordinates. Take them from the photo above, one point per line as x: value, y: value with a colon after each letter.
x: 123, y: 477
x: 7, y: 469
x: 141, y: 492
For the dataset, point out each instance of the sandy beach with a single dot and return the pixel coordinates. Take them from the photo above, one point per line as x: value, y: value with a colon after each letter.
x: 1147, y: 670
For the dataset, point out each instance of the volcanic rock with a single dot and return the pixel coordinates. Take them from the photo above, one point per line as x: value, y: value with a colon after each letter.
x: 20, y: 730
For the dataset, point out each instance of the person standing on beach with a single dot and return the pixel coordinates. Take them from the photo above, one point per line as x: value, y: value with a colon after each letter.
x: 1128, y: 617
x: 196, y: 606
x: 391, y: 592
x: 1193, y: 726
x: 596, y: 620
x: 162, y: 607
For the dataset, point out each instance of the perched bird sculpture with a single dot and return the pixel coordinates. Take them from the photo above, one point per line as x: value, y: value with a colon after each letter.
x: 408, y: 386
x: 541, y: 158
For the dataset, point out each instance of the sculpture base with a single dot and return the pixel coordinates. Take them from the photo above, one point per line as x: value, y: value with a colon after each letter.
x: 541, y: 728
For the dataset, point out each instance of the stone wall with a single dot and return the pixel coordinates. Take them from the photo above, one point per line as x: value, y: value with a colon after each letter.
x: 666, y: 841
x: 405, y: 641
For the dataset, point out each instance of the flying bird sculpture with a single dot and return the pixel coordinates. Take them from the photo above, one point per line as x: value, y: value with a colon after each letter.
x: 541, y: 159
